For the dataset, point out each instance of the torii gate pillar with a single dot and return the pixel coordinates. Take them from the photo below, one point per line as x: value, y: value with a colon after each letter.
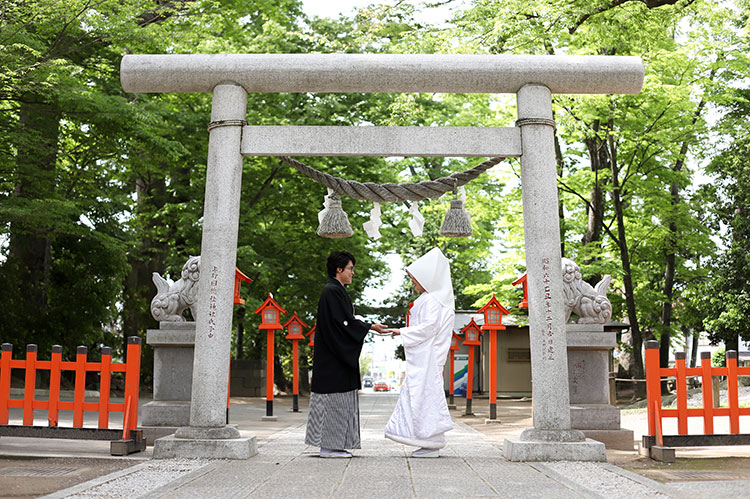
x: 208, y: 434
x: 551, y: 438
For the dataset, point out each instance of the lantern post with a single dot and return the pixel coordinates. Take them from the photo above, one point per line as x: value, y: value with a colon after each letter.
x: 452, y: 373
x: 270, y: 314
x: 493, y: 322
x: 522, y: 281
x: 294, y: 326
x: 471, y: 333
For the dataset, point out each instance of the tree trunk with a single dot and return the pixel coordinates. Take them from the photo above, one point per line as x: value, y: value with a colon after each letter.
x: 240, y: 344
x: 732, y: 344
x: 637, y: 368
x: 671, y: 251
x: 560, y: 206
x: 599, y: 160
x: 148, y: 257
x: 30, y: 244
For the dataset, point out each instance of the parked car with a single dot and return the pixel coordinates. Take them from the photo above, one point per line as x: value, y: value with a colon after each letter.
x: 380, y: 386
x: 367, y: 382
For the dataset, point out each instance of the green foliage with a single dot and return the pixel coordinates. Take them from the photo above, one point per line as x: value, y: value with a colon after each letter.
x: 98, y: 188
x: 718, y: 359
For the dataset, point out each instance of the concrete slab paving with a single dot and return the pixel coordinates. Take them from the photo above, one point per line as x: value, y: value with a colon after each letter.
x: 471, y: 465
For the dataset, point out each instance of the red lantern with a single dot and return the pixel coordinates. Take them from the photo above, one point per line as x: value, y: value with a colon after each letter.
x: 522, y: 281
x: 454, y: 342
x: 454, y: 346
x: 270, y: 312
x: 471, y: 333
x: 294, y: 326
x: 493, y: 322
x: 311, y: 335
x: 239, y: 277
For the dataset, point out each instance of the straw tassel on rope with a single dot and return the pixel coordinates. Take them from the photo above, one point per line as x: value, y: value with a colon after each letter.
x: 334, y: 223
x: 457, y: 221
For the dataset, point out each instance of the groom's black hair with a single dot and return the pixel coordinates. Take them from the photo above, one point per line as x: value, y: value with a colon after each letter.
x: 338, y: 260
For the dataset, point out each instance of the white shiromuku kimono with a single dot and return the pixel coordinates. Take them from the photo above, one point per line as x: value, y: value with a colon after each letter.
x: 421, y: 416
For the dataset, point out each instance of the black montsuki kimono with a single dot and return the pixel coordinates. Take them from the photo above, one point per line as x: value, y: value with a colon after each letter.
x: 338, y: 342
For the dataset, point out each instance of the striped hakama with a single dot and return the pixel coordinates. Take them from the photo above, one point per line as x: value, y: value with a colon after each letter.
x: 333, y: 422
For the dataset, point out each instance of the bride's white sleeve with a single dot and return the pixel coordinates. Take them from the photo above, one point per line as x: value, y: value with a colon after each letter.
x: 427, y: 327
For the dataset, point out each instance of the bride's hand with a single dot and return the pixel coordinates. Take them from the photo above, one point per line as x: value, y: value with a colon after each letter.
x: 392, y: 331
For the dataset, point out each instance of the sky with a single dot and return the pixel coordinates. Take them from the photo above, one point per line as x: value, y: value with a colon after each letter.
x: 330, y: 8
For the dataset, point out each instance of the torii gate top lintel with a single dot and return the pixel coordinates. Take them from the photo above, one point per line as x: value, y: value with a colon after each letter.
x: 395, y: 73
x: 533, y: 78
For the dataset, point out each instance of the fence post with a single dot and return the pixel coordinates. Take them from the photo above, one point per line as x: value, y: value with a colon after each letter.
x: 653, y: 383
x: 29, y: 387
x: 80, y: 386
x: 132, y: 382
x: 104, y: 385
x: 732, y: 392
x: 7, y: 353
x: 681, y: 387
x: 54, y: 385
x: 708, y: 393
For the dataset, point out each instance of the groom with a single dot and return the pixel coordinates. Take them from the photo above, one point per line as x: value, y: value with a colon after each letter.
x: 333, y: 421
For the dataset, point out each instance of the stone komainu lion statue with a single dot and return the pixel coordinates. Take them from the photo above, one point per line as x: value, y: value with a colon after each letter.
x: 590, y: 304
x: 171, y: 301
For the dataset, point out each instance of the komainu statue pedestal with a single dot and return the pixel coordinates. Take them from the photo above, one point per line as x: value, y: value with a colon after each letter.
x: 174, y: 345
x: 589, y: 349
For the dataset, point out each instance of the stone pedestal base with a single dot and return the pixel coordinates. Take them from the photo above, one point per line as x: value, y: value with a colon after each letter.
x: 515, y: 449
x: 173, y: 413
x: 229, y: 448
x: 173, y: 377
x: 620, y: 439
x: 269, y: 418
x: 224, y: 442
x: 152, y: 433
x: 594, y: 417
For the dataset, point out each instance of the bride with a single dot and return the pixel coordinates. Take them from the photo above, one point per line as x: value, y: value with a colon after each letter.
x: 421, y: 416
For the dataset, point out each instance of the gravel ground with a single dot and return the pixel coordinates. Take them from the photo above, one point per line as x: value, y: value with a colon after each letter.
x: 598, y: 479
x: 696, y: 399
x: 144, y: 478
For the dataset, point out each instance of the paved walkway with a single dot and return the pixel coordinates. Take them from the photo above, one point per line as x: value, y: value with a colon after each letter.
x: 471, y: 465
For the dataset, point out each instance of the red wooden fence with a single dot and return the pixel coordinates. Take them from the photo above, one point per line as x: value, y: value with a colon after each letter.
x: 708, y: 412
x: 104, y: 406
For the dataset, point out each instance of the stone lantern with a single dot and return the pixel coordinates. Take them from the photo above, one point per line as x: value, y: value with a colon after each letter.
x: 294, y: 326
x: 270, y: 313
x: 493, y: 322
x: 471, y: 333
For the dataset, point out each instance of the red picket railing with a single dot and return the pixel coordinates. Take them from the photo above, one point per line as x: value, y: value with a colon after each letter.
x: 656, y: 413
x: 104, y: 406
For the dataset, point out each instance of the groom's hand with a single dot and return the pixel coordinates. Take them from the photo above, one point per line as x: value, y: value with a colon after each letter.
x: 378, y: 328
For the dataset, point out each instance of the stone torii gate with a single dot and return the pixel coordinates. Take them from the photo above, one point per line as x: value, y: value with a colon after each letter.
x: 533, y: 78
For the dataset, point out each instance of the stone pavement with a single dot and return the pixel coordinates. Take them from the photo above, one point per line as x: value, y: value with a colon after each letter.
x: 471, y: 465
